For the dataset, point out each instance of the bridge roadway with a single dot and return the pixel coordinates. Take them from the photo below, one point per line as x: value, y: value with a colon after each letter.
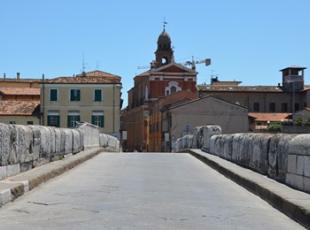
x: 142, y: 191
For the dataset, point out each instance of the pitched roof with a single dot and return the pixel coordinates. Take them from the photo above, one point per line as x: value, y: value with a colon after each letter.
x: 23, y: 91
x: 19, y: 108
x: 167, y: 67
x: 231, y: 88
x: 176, y: 98
x: 208, y: 97
x: 92, y: 77
x: 270, y: 116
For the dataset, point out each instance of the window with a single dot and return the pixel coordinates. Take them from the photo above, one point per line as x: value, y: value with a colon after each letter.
x: 173, y: 89
x: 272, y: 107
x: 75, y: 95
x: 73, y: 118
x: 296, y: 107
x: 97, y: 118
x: 29, y: 122
x: 256, y: 107
x: 53, y: 119
x: 284, y: 107
x: 98, y: 95
x: 12, y: 122
x: 53, y: 95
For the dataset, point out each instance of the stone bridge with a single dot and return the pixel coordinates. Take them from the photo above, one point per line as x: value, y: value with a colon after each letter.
x: 185, y: 190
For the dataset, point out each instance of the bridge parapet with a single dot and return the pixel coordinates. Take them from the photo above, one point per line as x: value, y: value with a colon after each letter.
x: 283, y: 157
x: 25, y: 147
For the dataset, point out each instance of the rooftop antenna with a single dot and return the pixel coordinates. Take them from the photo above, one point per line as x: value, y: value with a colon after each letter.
x: 83, y: 65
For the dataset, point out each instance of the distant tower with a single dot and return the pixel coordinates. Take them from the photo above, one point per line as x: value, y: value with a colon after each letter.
x: 293, y: 79
x: 164, y: 52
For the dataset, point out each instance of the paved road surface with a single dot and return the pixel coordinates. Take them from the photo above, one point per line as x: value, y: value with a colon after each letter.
x: 142, y: 191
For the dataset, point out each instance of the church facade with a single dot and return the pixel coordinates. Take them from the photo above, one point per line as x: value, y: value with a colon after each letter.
x: 164, y: 77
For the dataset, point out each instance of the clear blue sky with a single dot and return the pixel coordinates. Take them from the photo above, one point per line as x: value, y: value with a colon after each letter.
x: 246, y: 40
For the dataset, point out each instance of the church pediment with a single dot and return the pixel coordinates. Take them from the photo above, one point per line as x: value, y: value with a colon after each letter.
x: 174, y: 68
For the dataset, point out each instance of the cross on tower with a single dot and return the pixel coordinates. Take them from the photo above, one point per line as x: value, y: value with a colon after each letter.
x: 164, y: 24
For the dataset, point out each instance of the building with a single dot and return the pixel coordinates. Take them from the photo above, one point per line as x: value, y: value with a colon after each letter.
x: 157, y: 126
x: 165, y: 77
x: 92, y: 97
x: 289, y: 97
x: 20, y: 112
x: 19, y: 101
x: 261, y: 121
x: 19, y: 82
x: 183, y: 118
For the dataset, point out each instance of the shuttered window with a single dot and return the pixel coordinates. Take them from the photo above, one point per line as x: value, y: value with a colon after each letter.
x: 98, y: 95
x: 75, y: 95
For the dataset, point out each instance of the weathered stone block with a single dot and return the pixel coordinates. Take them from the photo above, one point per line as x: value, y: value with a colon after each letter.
x: 208, y: 131
x: 76, y: 141
x: 2, y: 172
x: 197, y: 137
x: 295, y: 181
x: 306, y: 184
x: 12, y: 159
x: 5, y: 147
x: 68, y: 141
x: 90, y: 134
x: 292, y: 164
x: 58, y: 150
x: 103, y: 140
x: 300, y: 145
x: 52, y: 141
x: 36, y: 145
x: 12, y: 170
x: 24, y: 144
x: 307, y: 166
x: 300, y: 165
x: 227, y: 148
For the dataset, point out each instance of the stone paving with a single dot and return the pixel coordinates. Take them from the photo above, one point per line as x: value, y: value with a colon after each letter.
x: 142, y: 191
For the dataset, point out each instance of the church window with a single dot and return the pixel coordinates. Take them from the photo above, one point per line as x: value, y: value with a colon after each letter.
x: 256, y: 107
x: 173, y: 89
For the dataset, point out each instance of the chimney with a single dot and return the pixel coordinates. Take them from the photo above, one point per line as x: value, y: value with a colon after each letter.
x: 18, y: 75
x: 4, y: 76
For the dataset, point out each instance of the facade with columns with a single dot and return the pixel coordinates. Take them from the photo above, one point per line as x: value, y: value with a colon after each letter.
x: 164, y: 77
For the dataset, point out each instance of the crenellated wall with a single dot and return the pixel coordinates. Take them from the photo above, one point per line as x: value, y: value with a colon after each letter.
x: 283, y: 157
x: 25, y: 147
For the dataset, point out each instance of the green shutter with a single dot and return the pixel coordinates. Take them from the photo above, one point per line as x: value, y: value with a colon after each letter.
x: 98, y: 96
x: 53, y: 95
x: 78, y: 95
x: 102, y: 121
x: 71, y: 98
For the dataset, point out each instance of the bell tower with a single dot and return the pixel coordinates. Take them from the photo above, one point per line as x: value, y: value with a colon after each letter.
x: 164, y: 52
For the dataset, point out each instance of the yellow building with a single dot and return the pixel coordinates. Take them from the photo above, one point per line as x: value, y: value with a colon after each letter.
x: 92, y: 97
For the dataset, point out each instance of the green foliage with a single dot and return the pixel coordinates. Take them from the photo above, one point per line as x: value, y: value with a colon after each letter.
x: 298, y: 121
x: 274, y: 127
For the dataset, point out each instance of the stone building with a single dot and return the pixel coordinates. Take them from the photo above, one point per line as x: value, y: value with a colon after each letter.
x: 165, y: 77
x: 181, y: 119
x: 293, y: 95
x: 92, y: 97
x: 157, y: 125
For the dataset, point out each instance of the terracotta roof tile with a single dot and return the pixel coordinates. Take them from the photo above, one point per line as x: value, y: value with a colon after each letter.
x: 93, y: 77
x: 18, y: 108
x: 225, y: 88
x: 270, y: 116
x: 20, y: 91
